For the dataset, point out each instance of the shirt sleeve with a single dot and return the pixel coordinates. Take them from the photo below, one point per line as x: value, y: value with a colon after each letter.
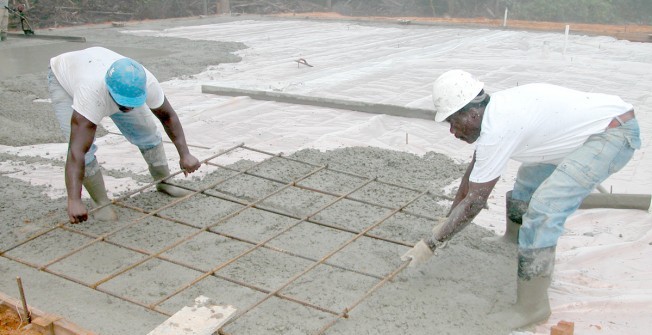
x: 492, y: 154
x: 155, y: 95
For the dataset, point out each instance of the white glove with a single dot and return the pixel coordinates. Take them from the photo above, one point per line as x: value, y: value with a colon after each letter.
x: 418, y: 255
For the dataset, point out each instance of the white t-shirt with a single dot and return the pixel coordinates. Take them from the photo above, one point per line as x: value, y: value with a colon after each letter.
x: 81, y: 73
x: 539, y: 123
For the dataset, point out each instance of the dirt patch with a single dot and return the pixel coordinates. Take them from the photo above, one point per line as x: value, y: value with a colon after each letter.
x: 630, y: 32
x: 12, y: 324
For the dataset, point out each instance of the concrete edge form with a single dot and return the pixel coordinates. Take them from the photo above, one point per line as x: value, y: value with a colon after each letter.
x: 44, y: 322
x: 50, y: 37
x: 358, y: 106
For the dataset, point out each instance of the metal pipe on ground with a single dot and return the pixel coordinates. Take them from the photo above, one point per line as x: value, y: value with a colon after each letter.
x: 618, y: 201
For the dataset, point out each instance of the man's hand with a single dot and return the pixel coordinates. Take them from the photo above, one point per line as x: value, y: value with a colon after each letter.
x: 419, y: 254
x: 189, y: 164
x: 77, y: 211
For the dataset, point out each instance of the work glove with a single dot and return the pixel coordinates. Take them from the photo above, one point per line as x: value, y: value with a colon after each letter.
x: 419, y: 254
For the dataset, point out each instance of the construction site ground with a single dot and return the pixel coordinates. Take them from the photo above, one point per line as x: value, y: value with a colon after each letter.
x: 308, y: 241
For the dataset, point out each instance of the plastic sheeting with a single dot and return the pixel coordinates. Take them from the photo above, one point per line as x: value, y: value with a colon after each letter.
x: 603, y: 278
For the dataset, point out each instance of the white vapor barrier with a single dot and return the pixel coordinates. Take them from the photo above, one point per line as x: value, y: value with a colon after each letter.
x: 603, y: 273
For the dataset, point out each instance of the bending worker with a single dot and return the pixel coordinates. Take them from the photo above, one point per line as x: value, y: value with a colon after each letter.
x: 87, y: 85
x: 568, y: 142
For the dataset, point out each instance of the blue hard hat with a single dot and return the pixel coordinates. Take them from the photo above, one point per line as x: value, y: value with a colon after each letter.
x: 127, y: 82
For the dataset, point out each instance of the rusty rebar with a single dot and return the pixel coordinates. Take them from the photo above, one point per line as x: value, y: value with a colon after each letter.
x: 345, y: 312
x: 314, y: 265
x: 221, y: 266
x: 362, y: 201
x: 137, y: 220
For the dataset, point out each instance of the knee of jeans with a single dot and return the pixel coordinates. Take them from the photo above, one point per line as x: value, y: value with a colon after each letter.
x: 581, y: 174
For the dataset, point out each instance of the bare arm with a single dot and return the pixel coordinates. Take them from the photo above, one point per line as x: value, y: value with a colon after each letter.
x: 463, y: 189
x: 170, y: 121
x: 82, y: 132
x: 470, y: 200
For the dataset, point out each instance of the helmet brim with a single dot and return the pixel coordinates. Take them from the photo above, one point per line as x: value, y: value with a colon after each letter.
x: 131, y: 102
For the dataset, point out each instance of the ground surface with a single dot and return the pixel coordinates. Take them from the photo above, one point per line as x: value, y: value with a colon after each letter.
x: 453, y: 295
x: 631, y: 32
x: 12, y: 324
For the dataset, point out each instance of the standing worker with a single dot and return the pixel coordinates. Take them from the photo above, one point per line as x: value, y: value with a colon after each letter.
x: 568, y: 142
x: 87, y: 85
x: 4, y: 19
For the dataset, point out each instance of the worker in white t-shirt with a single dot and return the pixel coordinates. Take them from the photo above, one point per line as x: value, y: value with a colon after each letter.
x: 568, y: 142
x: 86, y: 86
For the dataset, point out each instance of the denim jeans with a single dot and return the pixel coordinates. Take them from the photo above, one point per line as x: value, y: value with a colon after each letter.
x: 137, y: 125
x: 554, y: 192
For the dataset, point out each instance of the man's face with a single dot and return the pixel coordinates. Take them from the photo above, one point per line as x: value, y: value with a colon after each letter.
x: 466, y: 125
x: 125, y: 109
x: 122, y: 108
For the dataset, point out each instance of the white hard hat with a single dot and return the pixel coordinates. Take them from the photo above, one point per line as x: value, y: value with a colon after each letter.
x: 453, y: 90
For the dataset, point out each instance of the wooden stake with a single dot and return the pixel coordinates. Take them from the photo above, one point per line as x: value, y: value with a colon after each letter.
x: 22, y: 299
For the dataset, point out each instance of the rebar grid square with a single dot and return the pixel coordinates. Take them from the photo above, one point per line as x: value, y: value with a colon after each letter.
x: 320, y: 239
x: 268, y: 232
x: 149, y: 282
x: 265, y: 268
x: 221, y: 292
x: 202, y: 210
x: 206, y: 251
x: 330, y: 287
x: 277, y: 316
x: 38, y: 253
x: 151, y: 234
x: 96, y: 262
x: 254, y: 225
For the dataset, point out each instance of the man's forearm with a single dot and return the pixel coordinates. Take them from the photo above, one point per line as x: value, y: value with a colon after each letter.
x: 74, y: 176
x: 172, y: 125
x: 175, y: 132
x: 459, y: 218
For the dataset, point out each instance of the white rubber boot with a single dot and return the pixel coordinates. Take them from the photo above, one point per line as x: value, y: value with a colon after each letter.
x: 534, y: 276
x: 158, y: 168
x: 94, y: 185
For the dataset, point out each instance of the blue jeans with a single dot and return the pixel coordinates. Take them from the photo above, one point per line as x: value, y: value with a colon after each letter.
x: 554, y: 192
x: 137, y: 126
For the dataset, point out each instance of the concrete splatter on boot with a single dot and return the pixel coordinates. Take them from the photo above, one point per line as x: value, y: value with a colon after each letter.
x: 535, y: 267
x: 158, y: 168
x: 94, y: 184
x: 514, y: 211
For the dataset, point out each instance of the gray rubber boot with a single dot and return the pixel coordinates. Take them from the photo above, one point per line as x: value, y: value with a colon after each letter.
x: 535, y: 269
x: 514, y: 211
x: 94, y: 184
x: 3, y: 36
x: 158, y: 168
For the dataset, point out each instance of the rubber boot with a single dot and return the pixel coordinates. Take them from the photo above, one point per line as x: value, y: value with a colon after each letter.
x: 514, y: 211
x: 94, y: 185
x: 535, y: 269
x: 158, y: 168
x: 3, y: 36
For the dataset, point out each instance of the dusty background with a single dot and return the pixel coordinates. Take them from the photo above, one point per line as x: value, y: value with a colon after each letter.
x: 450, y: 296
